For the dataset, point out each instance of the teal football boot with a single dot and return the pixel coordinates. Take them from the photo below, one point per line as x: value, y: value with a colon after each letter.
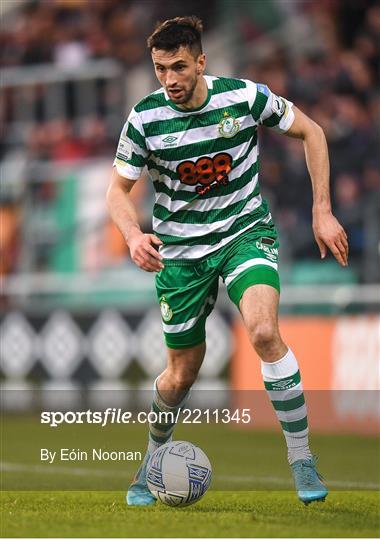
x: 308, y: 481
x: 138, y: 493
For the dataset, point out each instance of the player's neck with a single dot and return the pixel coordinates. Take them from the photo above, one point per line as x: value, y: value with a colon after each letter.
x: 199, y: 95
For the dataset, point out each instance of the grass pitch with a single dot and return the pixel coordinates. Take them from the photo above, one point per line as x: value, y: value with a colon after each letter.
x: 219, y: 514
x: 86, y: 499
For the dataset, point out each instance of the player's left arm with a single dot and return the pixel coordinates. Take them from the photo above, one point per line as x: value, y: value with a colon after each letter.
x: 328, y: 232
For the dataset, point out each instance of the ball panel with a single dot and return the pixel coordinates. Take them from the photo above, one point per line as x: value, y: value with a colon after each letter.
x: 175, y: 480
x: 183, y: 449
x: 178, y: 473
x: 171, y: 499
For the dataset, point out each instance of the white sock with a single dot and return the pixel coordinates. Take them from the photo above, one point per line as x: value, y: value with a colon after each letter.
x: 162, y: 432
x: 283, y: 383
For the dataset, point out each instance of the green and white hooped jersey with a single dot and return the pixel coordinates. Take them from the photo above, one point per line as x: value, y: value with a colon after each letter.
x: 204, y: 163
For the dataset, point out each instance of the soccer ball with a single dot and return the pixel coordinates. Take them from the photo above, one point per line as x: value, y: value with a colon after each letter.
x: 178, y: 473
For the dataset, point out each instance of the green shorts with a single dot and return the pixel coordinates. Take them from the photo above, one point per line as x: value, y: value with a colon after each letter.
x: 187, y: 290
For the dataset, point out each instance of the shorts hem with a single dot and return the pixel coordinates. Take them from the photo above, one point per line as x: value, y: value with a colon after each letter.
x: 257, y: 275
x: 182, y: 345
x: 187, y: 339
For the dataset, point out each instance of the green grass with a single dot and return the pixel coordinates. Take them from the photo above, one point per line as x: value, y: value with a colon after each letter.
x: 86, y: 499
x: 242, y: 459
x: 219, y: 514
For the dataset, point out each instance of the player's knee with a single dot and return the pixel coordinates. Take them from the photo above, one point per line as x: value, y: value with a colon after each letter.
x: 182, y: 377
x: 183, y: 367
x: 174, y: 385
x: 183, y: 381
x: 264, y: 336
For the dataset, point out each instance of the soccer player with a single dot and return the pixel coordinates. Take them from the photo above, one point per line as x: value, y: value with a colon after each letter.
x: 197, y: 135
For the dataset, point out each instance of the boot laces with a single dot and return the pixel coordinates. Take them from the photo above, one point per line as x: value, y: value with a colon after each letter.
x: 310, y: 471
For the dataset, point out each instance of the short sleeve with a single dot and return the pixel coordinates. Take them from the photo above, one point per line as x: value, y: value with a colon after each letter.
x: 270, y: 109
x: 131, y: 153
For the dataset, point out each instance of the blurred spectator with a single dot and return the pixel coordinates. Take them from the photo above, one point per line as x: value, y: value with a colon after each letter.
x: 9, y: 237
x: 69, y: 51
x: 336, y: 80
x: 93, y: 133
x: 65, y: 146
x: 350, y: 209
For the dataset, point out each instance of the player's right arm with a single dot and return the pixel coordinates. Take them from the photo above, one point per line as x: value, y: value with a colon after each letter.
x: 124, y: 215
x: 130, y: 160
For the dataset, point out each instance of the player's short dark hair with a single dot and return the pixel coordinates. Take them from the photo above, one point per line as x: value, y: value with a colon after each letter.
x: 170, y: 35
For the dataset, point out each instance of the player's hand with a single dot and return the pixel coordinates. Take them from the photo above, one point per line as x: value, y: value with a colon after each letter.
x: 143, y: 252
x: 329, y: 234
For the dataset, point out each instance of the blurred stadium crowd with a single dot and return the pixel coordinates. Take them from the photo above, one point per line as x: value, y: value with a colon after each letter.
x: 333, y: 74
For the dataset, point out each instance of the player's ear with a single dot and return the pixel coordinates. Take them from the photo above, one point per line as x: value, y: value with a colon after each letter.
x: 201, y: 64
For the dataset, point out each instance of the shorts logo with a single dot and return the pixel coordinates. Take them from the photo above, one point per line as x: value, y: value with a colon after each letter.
x: 270, y: 252
x: 166, y: 311
x: 228, y: 126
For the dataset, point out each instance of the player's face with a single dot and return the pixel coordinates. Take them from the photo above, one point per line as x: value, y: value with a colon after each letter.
x: 178, y: 72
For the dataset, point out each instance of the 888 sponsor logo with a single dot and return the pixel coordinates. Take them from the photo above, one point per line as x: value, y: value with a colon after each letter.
x: 210, y: 173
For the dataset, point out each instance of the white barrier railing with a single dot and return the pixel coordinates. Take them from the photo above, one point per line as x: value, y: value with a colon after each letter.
x: 43, y: 284
x: 41, y: 93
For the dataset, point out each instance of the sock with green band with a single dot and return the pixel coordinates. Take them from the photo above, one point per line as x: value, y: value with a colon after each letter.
x: 282, y: 381
x: 161, y: 431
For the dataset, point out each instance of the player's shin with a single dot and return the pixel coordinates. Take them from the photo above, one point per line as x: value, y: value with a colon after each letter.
x: 282, y: 381
x: 163, y: 418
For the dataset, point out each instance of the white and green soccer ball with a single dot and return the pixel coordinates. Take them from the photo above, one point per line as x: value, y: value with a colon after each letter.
x: 178, y: 473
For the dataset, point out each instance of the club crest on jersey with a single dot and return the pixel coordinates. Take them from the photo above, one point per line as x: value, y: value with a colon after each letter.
x: 228, y: 126
x: 166, y: 311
